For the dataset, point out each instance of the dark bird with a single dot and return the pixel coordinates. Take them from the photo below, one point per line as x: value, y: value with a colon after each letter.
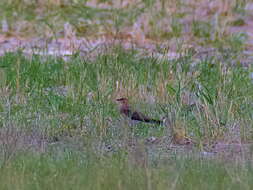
x: 126, y: 110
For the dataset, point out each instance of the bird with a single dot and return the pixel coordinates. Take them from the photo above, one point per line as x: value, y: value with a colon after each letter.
x: 126, y: 110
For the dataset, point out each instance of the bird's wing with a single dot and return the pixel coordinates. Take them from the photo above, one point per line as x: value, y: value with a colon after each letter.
x: 139, y: 116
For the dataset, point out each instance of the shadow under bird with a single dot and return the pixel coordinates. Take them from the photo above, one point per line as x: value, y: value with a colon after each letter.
x: 126, y: 110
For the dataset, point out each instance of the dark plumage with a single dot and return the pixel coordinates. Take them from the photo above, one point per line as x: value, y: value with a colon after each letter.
x: 134, y: 115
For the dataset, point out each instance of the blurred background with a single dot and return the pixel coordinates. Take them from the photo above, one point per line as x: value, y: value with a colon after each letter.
x: 80, y: 25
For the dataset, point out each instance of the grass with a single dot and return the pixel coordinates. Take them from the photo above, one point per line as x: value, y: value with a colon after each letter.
x: 59, y: 124
x: 75, y: 171
x: 60, y: 127
x: 72, y: 93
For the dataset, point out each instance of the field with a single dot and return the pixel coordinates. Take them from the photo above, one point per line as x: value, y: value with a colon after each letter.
x: 60, y: 127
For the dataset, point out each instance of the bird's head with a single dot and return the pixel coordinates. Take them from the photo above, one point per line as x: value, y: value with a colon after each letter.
x: 122, y: 100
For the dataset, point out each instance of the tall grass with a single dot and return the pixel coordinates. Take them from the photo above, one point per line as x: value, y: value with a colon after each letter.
x: 60, y: 127
x: 78, y: 95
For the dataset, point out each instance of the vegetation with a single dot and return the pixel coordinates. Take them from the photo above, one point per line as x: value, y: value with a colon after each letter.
x: 64, y: 113
x: 60, y: 127
x: 76, y: 172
